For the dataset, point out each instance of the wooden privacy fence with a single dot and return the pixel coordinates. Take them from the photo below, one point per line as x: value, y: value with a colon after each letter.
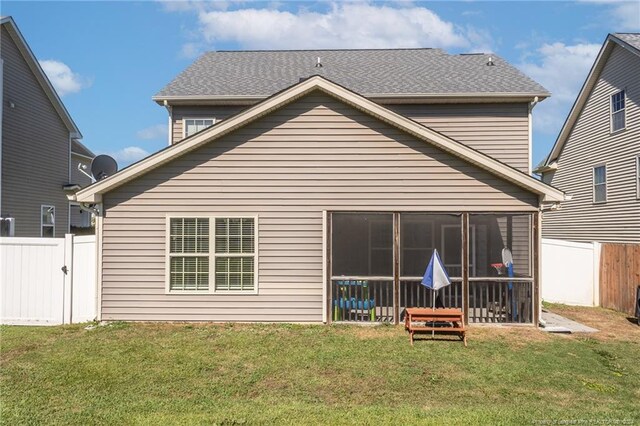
x: 619, y: 276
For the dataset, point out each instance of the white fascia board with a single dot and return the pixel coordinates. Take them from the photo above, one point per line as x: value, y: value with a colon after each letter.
x: 332, y: 89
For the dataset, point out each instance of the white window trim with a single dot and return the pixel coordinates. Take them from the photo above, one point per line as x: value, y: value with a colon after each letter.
x: 624, y: 112
x: 593, y: 183
x: 184, y: 123
x: 637, y: 159
x: 211, y: 254
x: 42, y: 225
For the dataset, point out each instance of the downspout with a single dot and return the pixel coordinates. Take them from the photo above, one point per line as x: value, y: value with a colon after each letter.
x: 170, y: 111
x: 1, y: 112
x: 531, y: 106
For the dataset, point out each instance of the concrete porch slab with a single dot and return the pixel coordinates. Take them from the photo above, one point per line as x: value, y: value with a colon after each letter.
x: 554, y: 323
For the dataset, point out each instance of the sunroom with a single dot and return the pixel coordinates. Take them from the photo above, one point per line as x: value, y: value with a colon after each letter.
x: 376, y: 260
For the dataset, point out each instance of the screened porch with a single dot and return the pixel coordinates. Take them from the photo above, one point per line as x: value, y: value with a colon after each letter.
x: 376, y: 262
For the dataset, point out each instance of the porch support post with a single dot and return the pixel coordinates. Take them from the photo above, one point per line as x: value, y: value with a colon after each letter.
x: 536, y: 230
x: 465, y: 267
x: 327, y: 271
x: 396, y: 268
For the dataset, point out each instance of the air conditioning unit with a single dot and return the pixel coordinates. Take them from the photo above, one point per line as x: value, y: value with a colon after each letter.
x: 7, y: 226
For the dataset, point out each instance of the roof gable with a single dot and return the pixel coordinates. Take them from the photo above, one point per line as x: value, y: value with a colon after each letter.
x: 93, y: 192
x: 629, y: 41
x: 40, y: 75
x: 374, y: 73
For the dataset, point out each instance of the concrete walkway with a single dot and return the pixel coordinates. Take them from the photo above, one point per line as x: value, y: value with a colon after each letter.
x: 554, y: 323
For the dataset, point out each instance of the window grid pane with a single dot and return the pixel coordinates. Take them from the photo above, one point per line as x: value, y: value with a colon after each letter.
x: 599, y: 184
x: 617, y: 111
x: 189, y: 273
x: 235, y: 236
x: 235, y: 273
x: 196, y: 125
x: 189, y: 235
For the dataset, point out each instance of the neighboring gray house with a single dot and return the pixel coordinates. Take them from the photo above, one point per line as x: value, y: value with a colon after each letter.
x: 81, y: 157
x: 35, y: 144
x: 596, y: 158
x: 316, y: 200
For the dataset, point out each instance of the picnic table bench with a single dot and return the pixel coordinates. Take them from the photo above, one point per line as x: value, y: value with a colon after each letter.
x: 447, y: 321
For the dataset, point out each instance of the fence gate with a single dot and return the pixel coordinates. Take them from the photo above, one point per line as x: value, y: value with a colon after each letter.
x: 32, y: 281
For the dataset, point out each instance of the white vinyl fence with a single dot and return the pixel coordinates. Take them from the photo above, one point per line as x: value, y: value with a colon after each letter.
x: 570, y: 272
x: 47, y: 281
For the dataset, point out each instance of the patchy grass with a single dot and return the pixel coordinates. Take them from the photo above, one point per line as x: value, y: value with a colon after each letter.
x: 306, y: 374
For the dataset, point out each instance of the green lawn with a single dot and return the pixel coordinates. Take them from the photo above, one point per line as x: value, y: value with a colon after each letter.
x: 297, y: 374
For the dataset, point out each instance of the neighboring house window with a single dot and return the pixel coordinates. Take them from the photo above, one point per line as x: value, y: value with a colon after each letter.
x: 189, y: 254
x: 600, y: 184
x: 194, y: 125
x: 617, y: 111
x: 638, y: 176
x: 232, y: 258
x: 47, y: 221
x: 235, y: 252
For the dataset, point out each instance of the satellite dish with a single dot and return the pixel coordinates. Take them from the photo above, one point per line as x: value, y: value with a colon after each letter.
x: 103, y: 166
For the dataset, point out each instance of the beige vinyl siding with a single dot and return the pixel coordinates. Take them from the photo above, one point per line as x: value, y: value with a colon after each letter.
x: 35, y: 148
x: 315, y: 154
x: 179, y: 113
x: 498, y: 130
x: 590, y: 144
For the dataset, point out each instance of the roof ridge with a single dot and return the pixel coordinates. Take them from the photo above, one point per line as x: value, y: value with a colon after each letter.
x: 326, y: 50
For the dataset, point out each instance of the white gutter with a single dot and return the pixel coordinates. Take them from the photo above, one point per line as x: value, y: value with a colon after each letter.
x: 1, y: 105
x: 531, y: 107
x: 170, y: 111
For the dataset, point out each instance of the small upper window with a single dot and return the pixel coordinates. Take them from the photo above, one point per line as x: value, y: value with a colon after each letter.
x: 47, y: 221
x: 617, y: 111
x: 600, y: 184
x: 194, y: 125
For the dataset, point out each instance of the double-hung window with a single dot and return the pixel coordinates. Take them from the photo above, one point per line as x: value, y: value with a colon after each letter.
x: 211, y: 255
x: 47, y: 221
x: 617, y: 111
x: 194, y: 125
x: 235, y: 254
x: 600, y: 184
x: 188, y: 254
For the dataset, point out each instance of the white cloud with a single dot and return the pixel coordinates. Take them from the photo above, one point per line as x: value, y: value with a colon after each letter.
x: 63, y: 79
x: 343, y: 25
x: 129, y: 155
x: 561, y: 69
x: 624, y: 14
x: 156, y: 131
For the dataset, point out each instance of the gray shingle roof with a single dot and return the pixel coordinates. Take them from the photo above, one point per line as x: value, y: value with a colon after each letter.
x: 632, y: 38
x: 368, y: 72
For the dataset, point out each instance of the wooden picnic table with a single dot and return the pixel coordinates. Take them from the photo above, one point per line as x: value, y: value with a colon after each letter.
x: 439, y: 320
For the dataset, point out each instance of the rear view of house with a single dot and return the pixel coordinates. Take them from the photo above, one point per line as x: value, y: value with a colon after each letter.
x: 314, y: 185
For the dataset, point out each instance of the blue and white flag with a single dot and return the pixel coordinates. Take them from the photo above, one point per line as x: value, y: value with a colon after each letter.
x: 435, y: 277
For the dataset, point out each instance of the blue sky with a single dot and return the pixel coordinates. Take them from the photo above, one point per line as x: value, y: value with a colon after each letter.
x: 108, y: 58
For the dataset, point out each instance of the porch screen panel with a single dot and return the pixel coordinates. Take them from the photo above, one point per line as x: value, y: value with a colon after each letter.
x: 421, y: 233
x: 494, y: 232
x: 362, y: 244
